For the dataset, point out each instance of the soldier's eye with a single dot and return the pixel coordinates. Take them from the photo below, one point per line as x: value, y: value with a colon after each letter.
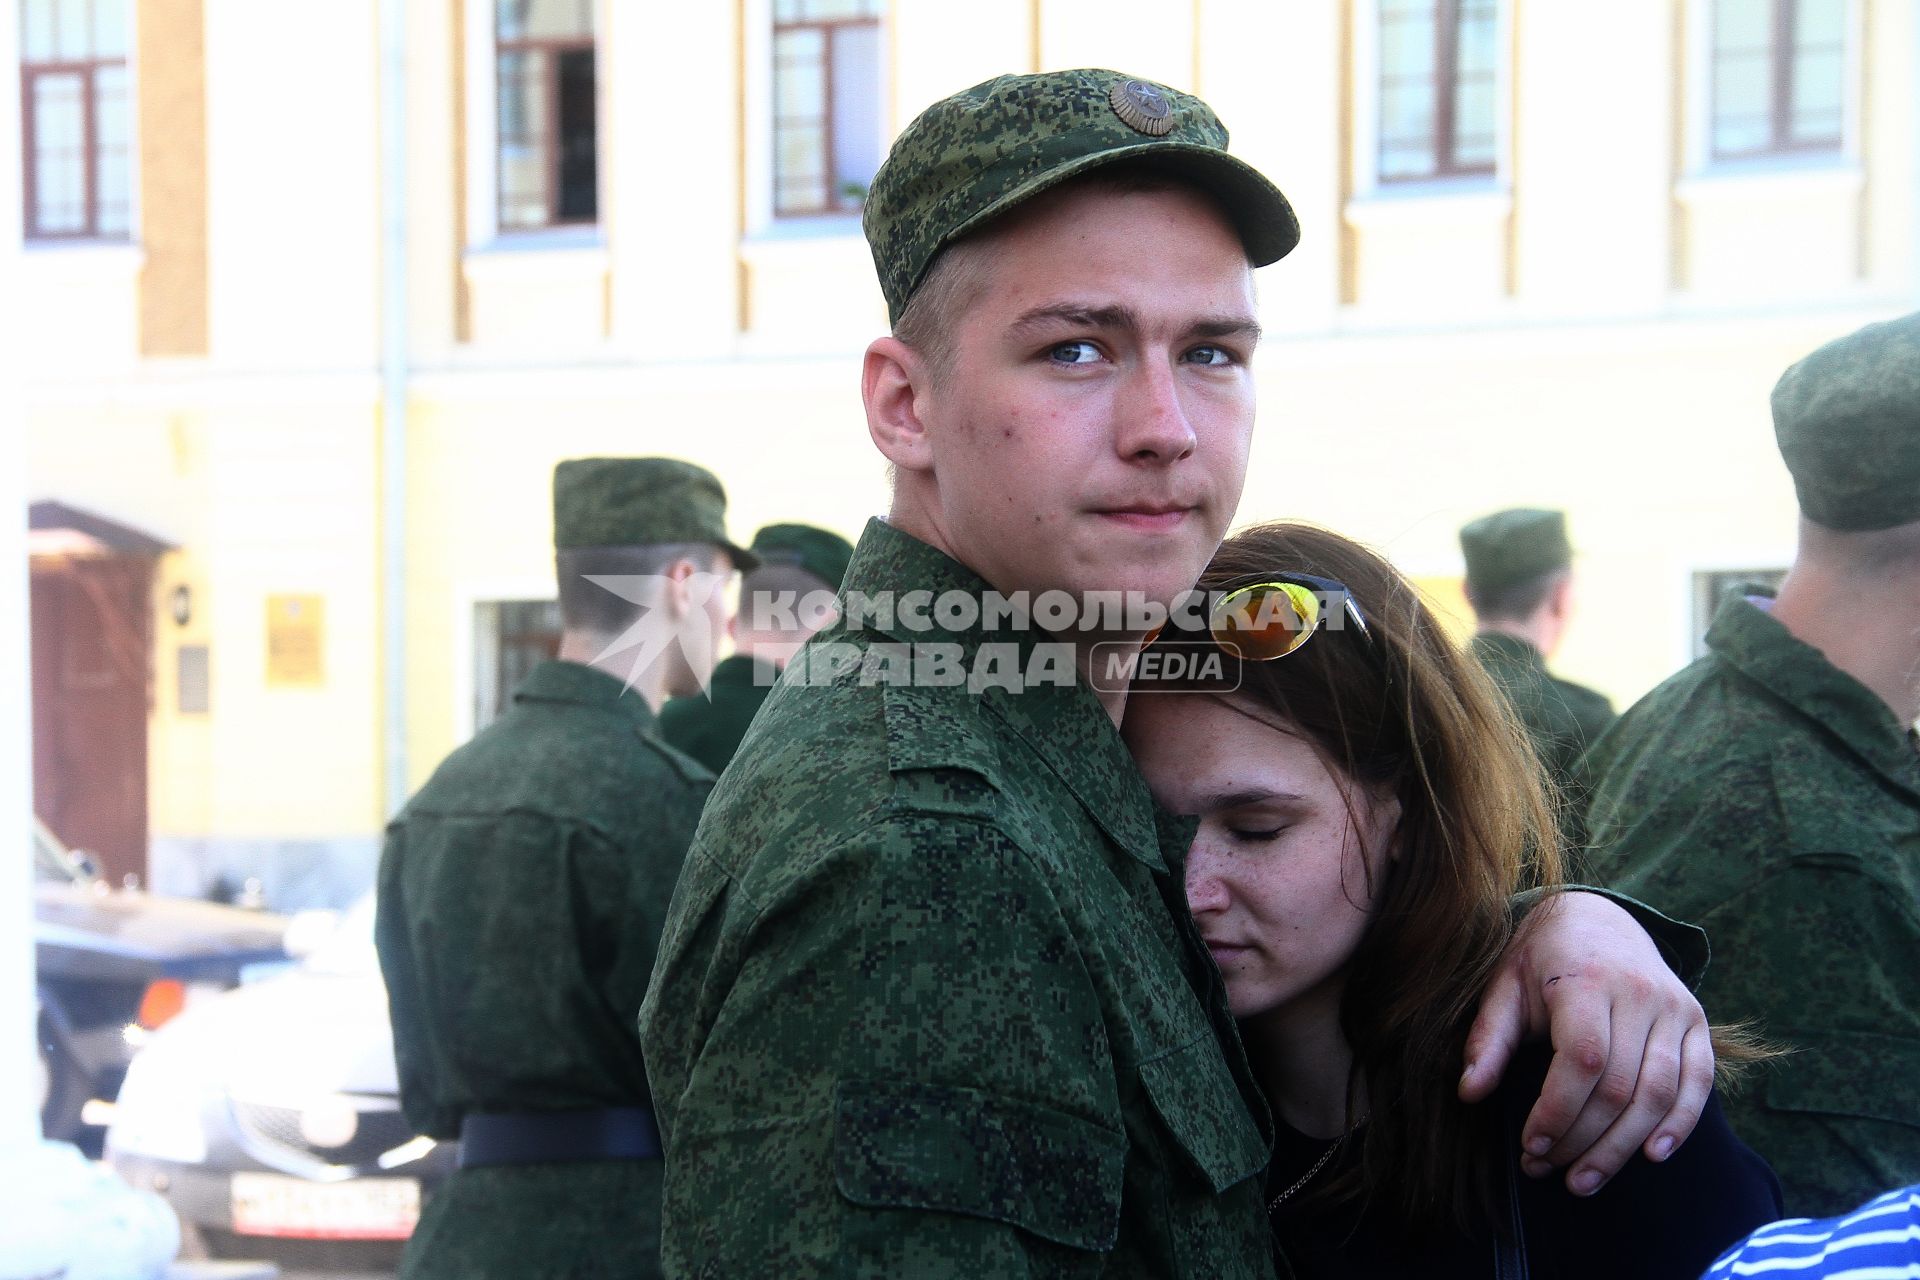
x: 1211, y: 356
x: 1073, y: 353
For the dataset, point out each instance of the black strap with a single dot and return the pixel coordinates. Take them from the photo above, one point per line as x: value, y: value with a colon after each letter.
x: 558, y: 1137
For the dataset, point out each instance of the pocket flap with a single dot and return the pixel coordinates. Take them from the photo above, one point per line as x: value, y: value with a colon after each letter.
x: 1849, y: 1073
x: 952, y: 1150
x: 1197, y: 1099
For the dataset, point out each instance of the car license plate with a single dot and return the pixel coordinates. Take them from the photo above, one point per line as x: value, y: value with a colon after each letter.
x: 266, y: 1204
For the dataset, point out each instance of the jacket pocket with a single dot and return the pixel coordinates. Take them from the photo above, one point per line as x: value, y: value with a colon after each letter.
x: 1197, y: 1100
x: 1857, y: 1074
x: 985, y: 1155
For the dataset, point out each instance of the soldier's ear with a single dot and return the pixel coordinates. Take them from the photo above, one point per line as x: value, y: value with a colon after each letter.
x: 895, y: 384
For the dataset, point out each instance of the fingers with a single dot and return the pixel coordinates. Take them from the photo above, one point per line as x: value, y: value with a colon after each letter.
x: 1656, y: 1094
x: 1495, y: 1033
x: 1696, y: 1082
x: 1585, y: 1089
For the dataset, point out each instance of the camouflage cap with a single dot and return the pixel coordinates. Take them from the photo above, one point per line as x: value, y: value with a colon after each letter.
x: 977, y: 154
x: 629, y: 502
x: 1513, y: 546
x: 821, y: 553
x: 1847, y: 419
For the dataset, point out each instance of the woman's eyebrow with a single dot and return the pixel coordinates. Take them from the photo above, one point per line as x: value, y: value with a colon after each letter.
x: 1247, y: 796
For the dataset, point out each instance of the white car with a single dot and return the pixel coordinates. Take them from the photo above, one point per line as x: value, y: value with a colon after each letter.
x: 269, y: 1117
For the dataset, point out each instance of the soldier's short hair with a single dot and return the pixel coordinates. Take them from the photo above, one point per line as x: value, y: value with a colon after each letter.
x: 590, y: 607
x: 1517, y: 601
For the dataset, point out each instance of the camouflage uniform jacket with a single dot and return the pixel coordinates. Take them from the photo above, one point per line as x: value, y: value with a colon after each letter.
x: 522, y: 894
x: 709, y: 726
x: 929, y: 1003
x: 1775, y: 799
x: 1562, y: 718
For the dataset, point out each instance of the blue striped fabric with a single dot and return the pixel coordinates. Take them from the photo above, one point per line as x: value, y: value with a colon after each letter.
x: 1878, y: 1241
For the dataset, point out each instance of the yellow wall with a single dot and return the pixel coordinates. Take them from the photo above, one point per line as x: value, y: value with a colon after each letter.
x: 1596, y: 329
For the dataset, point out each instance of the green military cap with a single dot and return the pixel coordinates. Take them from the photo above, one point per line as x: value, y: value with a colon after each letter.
x: 629, y: 502
x: 1848, y: 421
x: 1513, y: 546
x: 977, y: 154
x: 820, y: 552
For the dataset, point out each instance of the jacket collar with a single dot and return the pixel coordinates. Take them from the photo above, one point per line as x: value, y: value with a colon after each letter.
x: 1063, y: 722
x: 577, y: 684
x: 1748, y: 638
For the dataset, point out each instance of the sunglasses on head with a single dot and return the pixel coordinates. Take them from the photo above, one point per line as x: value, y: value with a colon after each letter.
x: 1266, y: 617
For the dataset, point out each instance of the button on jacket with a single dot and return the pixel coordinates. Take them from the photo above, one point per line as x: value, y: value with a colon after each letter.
x: 522, y: 894
x: 929, y: 1003
x: 1776, y: 800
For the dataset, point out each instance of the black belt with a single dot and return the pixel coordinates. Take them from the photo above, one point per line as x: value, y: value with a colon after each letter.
x: 558, y: 1137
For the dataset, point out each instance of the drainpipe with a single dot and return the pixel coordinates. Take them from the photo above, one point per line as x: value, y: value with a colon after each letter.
x: 393, y: 395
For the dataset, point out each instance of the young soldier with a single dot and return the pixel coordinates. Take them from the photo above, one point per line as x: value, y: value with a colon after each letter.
x: 1520, y: 584
x: 523, y: 890
x: 1773, y: 788
x: 929, y: 1002
x: 782, y: 603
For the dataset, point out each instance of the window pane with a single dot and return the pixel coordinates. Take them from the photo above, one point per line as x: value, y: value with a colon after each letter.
x: 789, y: 10
x: 1405, y: 160
x: 579, y: 191
x: 1479, y: 41
x: 543, y: 19
x: 856, y: 110
x: 1474, y: 122
x: 1742, y: 25
x: 799, y: 79
x: 1406, y: 112
x: 1406, y: 45
x: 36, y: 30
x: 1742, y: 89
x: 115, y: 194
x: 58, y: 155
x: 1818, y: 85
x: 1742, y: 135
x: 1820, y: 22
x: 523, y: 139
x: 1423, y: 10
x: 827, y: 10
x: 800, y: 171
x: 110, y: 28
x: 71, y: 37
x: 110, y: 105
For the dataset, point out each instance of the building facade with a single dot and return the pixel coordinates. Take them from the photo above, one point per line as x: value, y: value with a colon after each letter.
x: 1549, y: 257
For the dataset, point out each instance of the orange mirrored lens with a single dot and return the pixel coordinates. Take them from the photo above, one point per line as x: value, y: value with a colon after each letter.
x: 165, y: 998
x: 1266, y: 621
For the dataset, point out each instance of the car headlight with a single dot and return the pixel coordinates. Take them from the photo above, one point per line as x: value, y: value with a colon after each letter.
x: 158, y: 1113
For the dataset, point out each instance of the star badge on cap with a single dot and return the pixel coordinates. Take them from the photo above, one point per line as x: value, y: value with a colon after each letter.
x: 1142, y: 107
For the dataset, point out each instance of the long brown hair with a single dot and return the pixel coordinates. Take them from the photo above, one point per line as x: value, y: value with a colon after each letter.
x: 1399, y: 709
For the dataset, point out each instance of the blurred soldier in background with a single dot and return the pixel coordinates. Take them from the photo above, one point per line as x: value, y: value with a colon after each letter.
x: 1520, y: 583
x: 781, y: 604
x: 523, y: 890
x: 1771, y: 790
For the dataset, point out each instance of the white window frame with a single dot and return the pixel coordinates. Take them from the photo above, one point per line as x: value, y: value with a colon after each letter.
x: 483, y: 141
x: 756, y: 133
x: 1698, y: 100
x: 1366, y: 116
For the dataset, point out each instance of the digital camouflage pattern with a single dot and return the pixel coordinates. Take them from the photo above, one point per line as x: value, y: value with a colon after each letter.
x: 971, y: 157
x: 1513, y: 546
x: 929, y: 1003
x: 1561, y: 718
x: 1776, y: 800
x: 522, y: 894
x: 1847, y: 419
x: 632, y: 502
x: 709, y: 726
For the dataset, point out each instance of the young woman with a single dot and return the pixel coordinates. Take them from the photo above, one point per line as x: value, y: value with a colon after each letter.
x: 1367, y: 807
